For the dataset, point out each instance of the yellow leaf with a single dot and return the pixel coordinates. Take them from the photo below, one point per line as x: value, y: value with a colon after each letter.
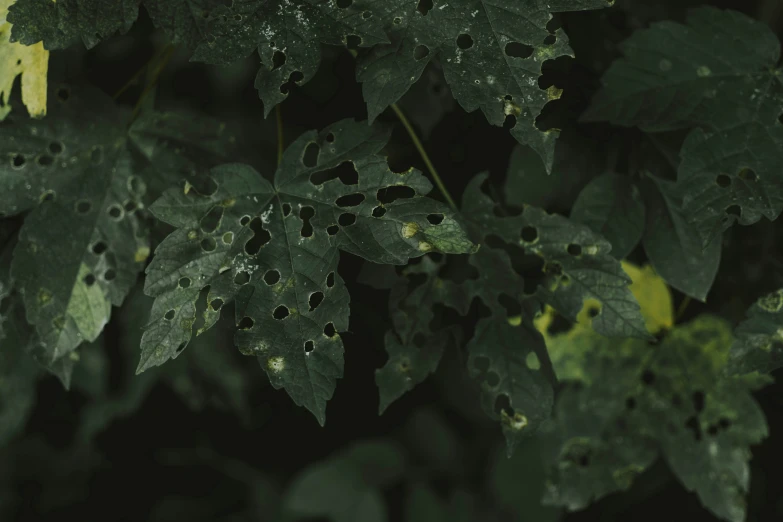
x: 653, y: 295
x: 32, y: 62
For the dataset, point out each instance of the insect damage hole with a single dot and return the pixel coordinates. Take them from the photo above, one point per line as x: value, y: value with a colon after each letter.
x: 346, y: 220
x: 169, y: 315
x: 435, y: 219
x: 99, y: 248
x: 332, y: 230
x: 518, y: 50
x: 271, y: 277
x: 305, y: 214
x: 18, y: 161
x: 424, y: 7
x: 529, y: 234
x: 278, y: 60
x: 723, y: 181
x: 310, y: 156
x: 574, y: 249
x: 378, y: 212
x: 346, y: 172
x: 246, y: 323
x: 109, y: 275
x: 242, y: 278
x: 211, y: 221
x: 216, y: 304
x: 315, y: 300
x: 330, y: 280
x: 420, y: 52
x: 89, y: 280
x: 208, y: 244
x: 309, y: 346
x: 83, y: 206
x: 281, y: 312
x: 748, y: 174
x: 115, y: 212
x: 184, y: 282
x: 389, y: 195
x: 464, y: 41
x: 329, y: 330
x: 350, y: 200
x: 259, y: 239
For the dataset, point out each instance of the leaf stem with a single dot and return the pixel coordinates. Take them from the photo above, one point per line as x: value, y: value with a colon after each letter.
x: 133, y: 79
x: 280, y: 143
x: 681, y: 310
x: 424, y: 156
x: 165, y: 56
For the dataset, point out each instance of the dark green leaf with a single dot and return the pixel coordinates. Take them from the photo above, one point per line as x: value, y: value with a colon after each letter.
x: 59, y: 24
x: 673, y: 245
x: 184, y: 21
x: 275, y: 250
x: 759, y: 339
x: 611, y: 205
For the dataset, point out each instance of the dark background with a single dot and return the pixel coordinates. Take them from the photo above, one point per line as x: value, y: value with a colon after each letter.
x: 187, y: 452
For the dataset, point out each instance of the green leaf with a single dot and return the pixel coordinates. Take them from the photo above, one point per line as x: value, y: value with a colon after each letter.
x: 491, y: 52
x: 346, y: 486
x: 718, y: 74
x: 185, y: 22
x: 275, y: 250
x: 288, y: 39
x: 59, y: 23
x: 673, y: 246
x: 423, y: 505
x: 414, y: 350
x: 611, y: 205
x: 672, y: 400
x: 758, y: 346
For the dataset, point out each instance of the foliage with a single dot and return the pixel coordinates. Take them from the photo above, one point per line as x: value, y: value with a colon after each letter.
x: 554, y: 297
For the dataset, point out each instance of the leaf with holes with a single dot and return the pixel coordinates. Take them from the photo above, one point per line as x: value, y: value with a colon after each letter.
x: 287, y: 35
x: 185, y: 22
x: 491, y: 52
x: 639, y: 401
x: 717, y: 74
x: 414, y: 349
x: 611, y: 205
x: 274, y: 249
x: 758, y: 346
x: 59, y: 23
x: 673, y: 245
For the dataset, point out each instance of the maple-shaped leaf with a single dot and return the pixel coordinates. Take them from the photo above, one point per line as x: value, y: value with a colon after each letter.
x: 718, y: 74
x: 185, y: 22
x: 611, y: 205
x: 759, y: 338
x: 59, y: 23
x: 491, y: 52
x: 635, y: 401
x: 84, y: 240
x: 31, y: 62
x: 274, y: 249
x: 673, y: 245
x: 288, y: 36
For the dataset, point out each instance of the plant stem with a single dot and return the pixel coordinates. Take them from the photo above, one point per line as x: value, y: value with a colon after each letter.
x: 280, y: 143
x: 152, y: 81
x: 133, y: 79
x: 424, y: 156
x: 681, y: 309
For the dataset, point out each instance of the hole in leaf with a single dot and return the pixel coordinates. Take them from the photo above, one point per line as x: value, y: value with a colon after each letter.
x: 574, y: 249
x: 329, y: 330
x: 242, y: 278
x: 208, y: 244
x: 345, y: 172
x: 246, y: 323
x: 332, y: 230
x: 278, y: 60
x: 648, y: 377
x: 558, y: 325
x: 734, y: 210
x: 593, y: 312
x: 518, y: 50
x: 315, y: 300
x: 18, y: 161
x: 44, y: 160
x: 529, y: 234
x: 367, y: 15
x: 350, y: 200
x: 89, y: 280
x: 216, y: 304
x: 109, y: 275
x: 388, y: 195
x: 310, y: 156
x: 423, y: 7
x: 184, y: 282
x: 510, y: 122
x: 271, y: 277
x: 115, y: 212
x: 378, y: 212
x: 130, y: 206
x: 550, y: 40
x: 342, y: 4
x: 435, y: 219
x: 329, y: 138
x: 99, y: 248
x: 464, y: 41
x: 421, y: 51
x: 211, y: 221
x: 346, y: 219
x: 309, y: 346
x: 83, y: 206
x: 259, y: 239
x: 169, y: 315
x: 723, y: 181
x: 305, y: 213
x: 281, y: 312
x: 693, y: 424
x: 330, y: 280
x: 245, y: 220
x: 502, y: 403
x: 748, y: 174
x: 286, y: 209
x: 182, y: 346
